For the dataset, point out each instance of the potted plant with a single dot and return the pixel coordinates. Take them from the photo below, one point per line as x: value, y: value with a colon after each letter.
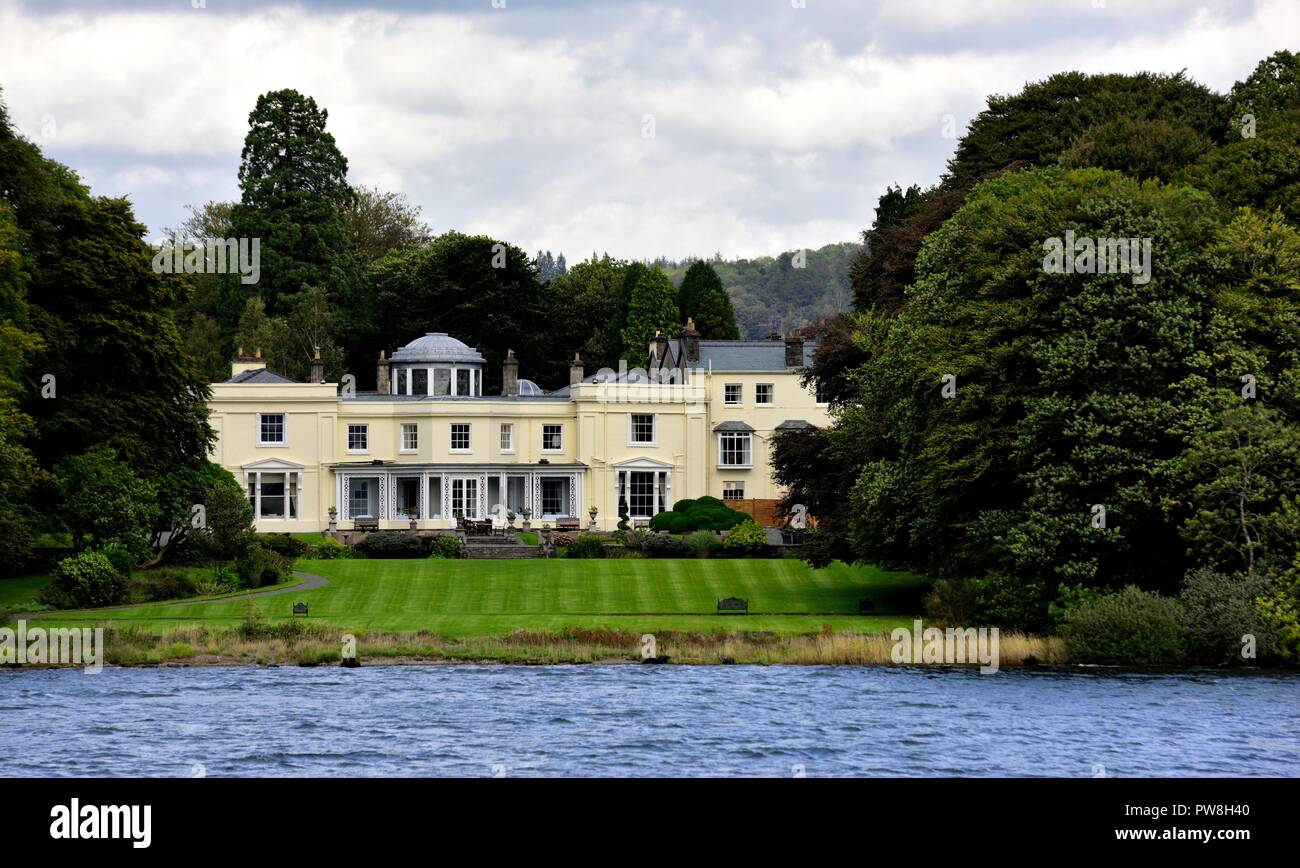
x: 592, y: 511
x: 413, y: 513
x: 546, y: 534
x: 457, y: 515
x: 527, y: 514
x: 334, y: 516
x: 510, y: 518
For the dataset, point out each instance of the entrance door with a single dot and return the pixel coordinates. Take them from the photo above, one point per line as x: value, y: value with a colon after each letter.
x: 555, y: 497
x: 464, y: 497
x: 408, y: 497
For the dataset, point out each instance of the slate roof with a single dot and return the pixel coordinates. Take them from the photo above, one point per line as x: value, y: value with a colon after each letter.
x: 258, y: 376
x: 732, y: 425
x: 794, y: 424
x: 745, y: 355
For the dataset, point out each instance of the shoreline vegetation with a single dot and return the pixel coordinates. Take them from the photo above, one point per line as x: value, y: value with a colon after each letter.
x: 300, y: 643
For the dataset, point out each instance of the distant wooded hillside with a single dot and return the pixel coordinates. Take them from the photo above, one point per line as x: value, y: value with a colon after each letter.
x: 770, y: 294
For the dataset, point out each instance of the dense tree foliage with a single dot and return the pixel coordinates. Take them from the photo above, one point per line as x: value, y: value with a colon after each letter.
x: 1036, y: 432
x: 651, y: 310
x: 91, y: 361
x: 702, y: 298
x: 294, y: 194
x: 1045, y: 119
x: 481, y: 290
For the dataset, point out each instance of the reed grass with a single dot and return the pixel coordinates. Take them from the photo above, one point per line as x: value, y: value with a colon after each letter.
x: 305, y: 644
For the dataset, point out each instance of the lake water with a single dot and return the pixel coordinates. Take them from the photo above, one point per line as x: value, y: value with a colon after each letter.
x: 644, y: 720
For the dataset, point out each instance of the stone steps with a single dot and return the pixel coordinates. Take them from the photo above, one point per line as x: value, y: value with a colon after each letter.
x: 483, y: 551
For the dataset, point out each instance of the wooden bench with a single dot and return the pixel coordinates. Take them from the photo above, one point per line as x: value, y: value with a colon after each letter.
x: 365, y: 524
x: 570, y: 524
x: 733, y: 605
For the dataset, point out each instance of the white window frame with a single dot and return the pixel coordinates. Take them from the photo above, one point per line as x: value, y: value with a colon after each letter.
x: 749, y: 440
x: 365, y: 432
x: 654, y: 430
x: 817, y: 396
x: 737, y: 485
x: 740, y: 395
x: 401, y: 437
x: 284, y: 431
x: 771, y: 394
x: 469, y: 438
x: 506, y: 435
x: 552, y: 450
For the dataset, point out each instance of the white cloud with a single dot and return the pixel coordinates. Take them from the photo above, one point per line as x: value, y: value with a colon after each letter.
x: 775, y: 128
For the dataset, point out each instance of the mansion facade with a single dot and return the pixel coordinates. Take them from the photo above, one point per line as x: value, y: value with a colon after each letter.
x: 428, y: 446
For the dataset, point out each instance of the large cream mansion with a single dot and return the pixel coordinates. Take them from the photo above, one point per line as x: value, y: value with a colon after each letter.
x: 429, y: 446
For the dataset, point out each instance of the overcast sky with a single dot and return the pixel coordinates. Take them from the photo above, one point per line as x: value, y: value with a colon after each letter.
x: 640, y: 129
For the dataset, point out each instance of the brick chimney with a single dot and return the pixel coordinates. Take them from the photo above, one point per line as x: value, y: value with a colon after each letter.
x: 793, y: 352
x: 510, y: 374
x: 317, y: 368
x: 382, y: 385
x: 575, y: 370
x: 690, y: 343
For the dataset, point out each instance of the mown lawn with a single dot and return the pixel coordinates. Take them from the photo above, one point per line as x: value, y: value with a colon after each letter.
x: 457, y: 598
x: 18, y: 594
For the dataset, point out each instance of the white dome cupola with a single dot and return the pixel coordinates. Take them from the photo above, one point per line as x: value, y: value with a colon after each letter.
x: 437, y: 365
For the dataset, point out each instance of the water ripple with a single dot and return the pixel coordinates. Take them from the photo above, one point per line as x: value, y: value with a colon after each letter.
x: 645, y: 721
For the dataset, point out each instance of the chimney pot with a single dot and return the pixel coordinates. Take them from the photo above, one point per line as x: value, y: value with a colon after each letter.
x: 575, y: 370
x: 317, y: 368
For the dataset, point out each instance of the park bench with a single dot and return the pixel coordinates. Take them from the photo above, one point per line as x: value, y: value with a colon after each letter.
x: 365, y: 523
x: 570, y: 524
x: 733, y: 605
x: 299, y: 609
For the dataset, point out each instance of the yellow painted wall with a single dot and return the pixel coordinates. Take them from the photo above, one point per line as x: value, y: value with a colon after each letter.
x: 595, y: 433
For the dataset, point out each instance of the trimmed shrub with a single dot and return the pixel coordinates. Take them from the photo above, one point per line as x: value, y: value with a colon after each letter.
x: 444, y: 547
x: 1218, y: 610
x: 392, y: 544
x: 1131, y: 627
x: 259, y: 566
x: 672, y: 522
x: 666, y: 547
x: 703, y: 543
x: 164, y: 584
x: 285, y: 546
x: 587, y: 545
x: 747, y: 538
x: 706, y: 513
x: 330, y: 549
x: 85, y: 581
